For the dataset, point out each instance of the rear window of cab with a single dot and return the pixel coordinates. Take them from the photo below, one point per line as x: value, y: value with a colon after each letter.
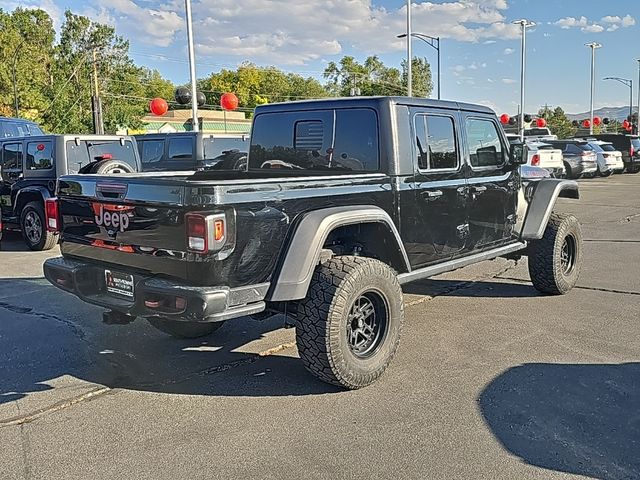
x: 331, y: 141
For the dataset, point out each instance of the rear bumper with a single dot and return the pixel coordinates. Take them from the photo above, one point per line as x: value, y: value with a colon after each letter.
x: 156, y: 297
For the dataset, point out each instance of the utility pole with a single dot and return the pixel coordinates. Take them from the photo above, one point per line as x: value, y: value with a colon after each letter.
x: 409, y: 54
x: 192, y: 68
x: 638, y: 111
x: 523, y: 59
x: 592, y: 46
x: 96, y: 102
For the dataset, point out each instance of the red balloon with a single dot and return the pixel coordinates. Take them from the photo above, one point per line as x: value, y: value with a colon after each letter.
x: 541, y: 123
x: 625, y: 124
x: 586, y: 123
x: 504, y: 118
x: 597, y: 121
x: 229, y: 101
x: 158, y: 106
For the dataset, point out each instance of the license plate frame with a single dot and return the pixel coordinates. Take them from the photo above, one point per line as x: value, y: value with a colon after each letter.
x: 119, y: 284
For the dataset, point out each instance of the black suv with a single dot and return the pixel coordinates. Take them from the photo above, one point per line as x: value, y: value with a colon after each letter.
x: 190, y: 151
x: 18, y: 127
x: 341, y: 202
x: 30, y: 166
x: 629, y: 145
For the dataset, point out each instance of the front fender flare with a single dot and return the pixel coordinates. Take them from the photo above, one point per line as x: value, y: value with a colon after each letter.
x: 545, y: 195
x: 301, y: 256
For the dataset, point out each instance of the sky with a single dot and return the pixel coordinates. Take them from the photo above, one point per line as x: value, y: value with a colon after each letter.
x: 480, y: 46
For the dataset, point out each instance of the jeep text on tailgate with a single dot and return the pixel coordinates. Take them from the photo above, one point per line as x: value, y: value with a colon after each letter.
x: 340, y: 203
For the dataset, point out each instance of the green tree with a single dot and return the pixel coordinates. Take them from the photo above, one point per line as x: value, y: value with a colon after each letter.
x: 374, y: 78
x: 255, y: 85
x: 26, y: 42
x: 558, y: 122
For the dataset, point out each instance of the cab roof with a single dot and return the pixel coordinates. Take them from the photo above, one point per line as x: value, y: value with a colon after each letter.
x: 372, y: 102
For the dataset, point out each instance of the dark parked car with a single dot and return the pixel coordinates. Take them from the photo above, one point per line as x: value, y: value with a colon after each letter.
x: 30, y: 166
x: 18, y: 127
x: 579, y: 158
x: 191, y: 151
x: 629, y: 145
x: 342, y: 201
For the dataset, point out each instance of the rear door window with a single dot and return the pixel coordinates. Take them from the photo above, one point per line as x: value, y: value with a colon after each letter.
x: 12, y: 156
x: 152, y: 151
x: 39, y: 156
x: 181, y: 148
x: 485, y: 146
x: 436, y: 142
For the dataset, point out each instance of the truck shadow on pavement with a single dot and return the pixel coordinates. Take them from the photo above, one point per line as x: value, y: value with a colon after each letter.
x: 578, y: 419
x: 484, y: 289
x: 46, y: 334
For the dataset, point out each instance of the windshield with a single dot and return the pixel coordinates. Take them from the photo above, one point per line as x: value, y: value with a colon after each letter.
x: 81, y: 153
x: 607, y: 147
x: 216, y: 148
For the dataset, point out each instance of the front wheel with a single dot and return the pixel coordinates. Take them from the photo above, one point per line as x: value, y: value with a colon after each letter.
x: 179, y: 329
x: 606, y: 173
x: 556, y: 259
x: 34, y: 229
x: 348, y: 326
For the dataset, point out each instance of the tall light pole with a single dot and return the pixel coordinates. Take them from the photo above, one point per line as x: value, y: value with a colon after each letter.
x: 433, y: 42
x: 628, y: 83
x: 192, y: 67
x: 523, y: 57
x: 638, y: 118
x: 593, y: 46
x: 409, y: 54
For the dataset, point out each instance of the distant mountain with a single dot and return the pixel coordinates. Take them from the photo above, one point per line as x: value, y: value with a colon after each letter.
x: 617, y: 113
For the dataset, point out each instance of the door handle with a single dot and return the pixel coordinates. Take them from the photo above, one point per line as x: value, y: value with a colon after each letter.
x: 432, y: 193
x: 480, y: 189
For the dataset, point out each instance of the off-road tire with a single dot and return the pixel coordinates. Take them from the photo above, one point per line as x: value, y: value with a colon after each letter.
x: 111, y: 167
x: 322, y: 329
x: 179, y: 329
x: 547, y: 269
x: 33, y: 217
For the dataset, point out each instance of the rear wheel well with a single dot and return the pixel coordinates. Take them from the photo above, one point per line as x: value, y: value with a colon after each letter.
x: 26, y: 198
x: 373, y: 240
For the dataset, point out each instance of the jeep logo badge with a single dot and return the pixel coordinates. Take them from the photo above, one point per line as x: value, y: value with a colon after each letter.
x: 115, y: 220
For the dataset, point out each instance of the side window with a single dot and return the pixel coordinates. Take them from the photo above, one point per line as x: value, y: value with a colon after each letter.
x: 12, y: 156
x: 436, y: 142
x: 485, y: 147
x: 152, y: 151
x: 180, y: 148
x: 356, y: 143
x: 39, y: 156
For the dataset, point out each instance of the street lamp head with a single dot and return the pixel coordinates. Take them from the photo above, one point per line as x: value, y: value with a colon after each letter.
x: 524, y: 22
x: 593, y: 45
x: 402, y: 35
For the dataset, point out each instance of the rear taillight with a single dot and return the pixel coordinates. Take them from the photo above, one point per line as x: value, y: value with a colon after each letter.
x: 535, y: 160
x: 206, y: 233
x: 52, y: 215
x: 631, y: 151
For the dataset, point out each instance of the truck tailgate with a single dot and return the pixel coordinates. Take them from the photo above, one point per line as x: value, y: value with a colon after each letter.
x: 125, y: 220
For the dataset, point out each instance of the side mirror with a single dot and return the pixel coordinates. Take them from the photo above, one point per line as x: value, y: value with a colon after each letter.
x: 519, y: 154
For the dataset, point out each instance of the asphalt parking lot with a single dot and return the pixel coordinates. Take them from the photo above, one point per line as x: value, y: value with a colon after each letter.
x: 491, y: 380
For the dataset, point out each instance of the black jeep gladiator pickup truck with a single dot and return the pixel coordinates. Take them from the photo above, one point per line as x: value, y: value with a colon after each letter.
x: 342, y: 202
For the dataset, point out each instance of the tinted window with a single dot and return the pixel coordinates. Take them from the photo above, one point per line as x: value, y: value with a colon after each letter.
x: 151, y: 151
x: 436, y: 141
x: 595, y: 147
x: 216, y: 147
x: 356, y: 145
x: 39, y: 155
x: 584, y: 147
x: 636, y: 144
x: 304, y: 140
x: 485, y: 147
x: 180, y: 148
x: 607, y: 147
x: 12, y: 156
x: 91, y: 151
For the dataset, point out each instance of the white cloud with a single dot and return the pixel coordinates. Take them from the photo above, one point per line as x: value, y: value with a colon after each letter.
x: 570, y: 22
x: 508, y: 81
x: 611, y: 19
x: 595, y: 28
x: 628, y: 21
x: 507, y: 51
x: 489, y: 42
x: 613, y: 28
x: 284, y: 32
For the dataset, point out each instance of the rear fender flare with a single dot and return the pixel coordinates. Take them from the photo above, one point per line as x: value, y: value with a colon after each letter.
x: 29, y: 194
x: 302, y: 254
x: 541, y: 206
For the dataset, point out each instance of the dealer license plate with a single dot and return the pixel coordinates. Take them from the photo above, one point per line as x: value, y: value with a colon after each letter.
x: 119, y: 283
